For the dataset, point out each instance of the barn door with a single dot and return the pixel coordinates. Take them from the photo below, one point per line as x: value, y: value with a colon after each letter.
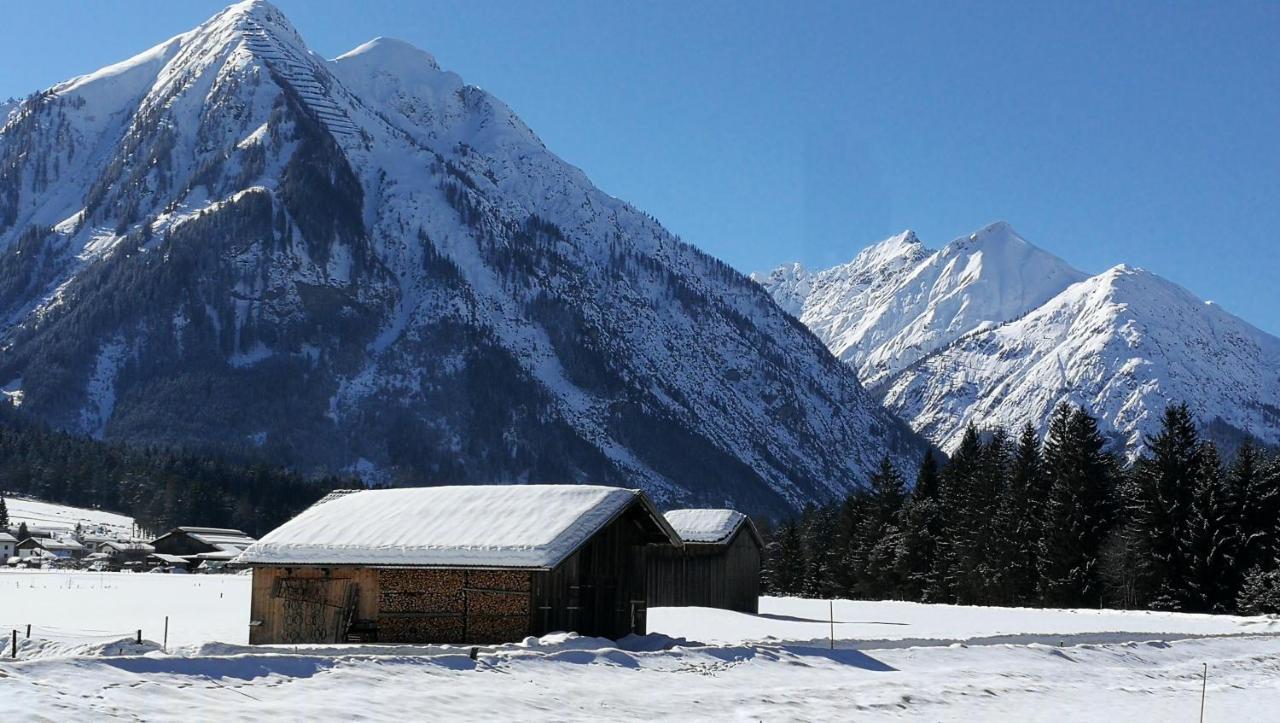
x: 313, y: 610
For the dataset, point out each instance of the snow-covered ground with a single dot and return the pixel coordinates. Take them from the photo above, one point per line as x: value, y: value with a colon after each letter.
x: 896, y: 661
x: 52, y: 516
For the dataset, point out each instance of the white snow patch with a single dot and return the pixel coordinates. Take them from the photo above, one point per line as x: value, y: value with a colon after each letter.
x: 101, y: 389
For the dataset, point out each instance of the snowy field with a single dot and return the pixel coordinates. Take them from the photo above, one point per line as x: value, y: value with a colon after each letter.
x: 893, y: 661
x: 50, y: 516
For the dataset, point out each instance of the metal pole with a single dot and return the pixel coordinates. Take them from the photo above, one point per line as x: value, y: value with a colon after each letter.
x: 831, y: 614
x: 13, y: 651
x: 165, y: 646
x: 28, y: 631
x: 1204, y: 685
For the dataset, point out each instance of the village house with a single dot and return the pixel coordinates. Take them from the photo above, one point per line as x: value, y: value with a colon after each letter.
x: 467, y: 564
x: 50, y: 547
x: 718, y: 565
x: 8, y: 546
x: 124, y: 552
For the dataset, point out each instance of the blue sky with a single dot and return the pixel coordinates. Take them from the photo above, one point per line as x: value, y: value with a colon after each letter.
x: 1145, y: 133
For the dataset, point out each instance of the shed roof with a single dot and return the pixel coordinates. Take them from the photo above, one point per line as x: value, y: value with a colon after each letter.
x: 218, y: 537
x: 500, y: 526
x: 708, y: 525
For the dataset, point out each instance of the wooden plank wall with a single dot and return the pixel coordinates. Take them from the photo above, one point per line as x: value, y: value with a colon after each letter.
x: 721, y: 576
x: 308, y: 605
x: 600, y: 589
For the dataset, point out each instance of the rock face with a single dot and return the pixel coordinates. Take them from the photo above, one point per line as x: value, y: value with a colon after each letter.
x: 994, y: 331
x: 365, y: 264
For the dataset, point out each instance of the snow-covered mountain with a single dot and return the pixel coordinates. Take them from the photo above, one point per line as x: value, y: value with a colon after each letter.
x: 367, y: 264
x: 994, y: 331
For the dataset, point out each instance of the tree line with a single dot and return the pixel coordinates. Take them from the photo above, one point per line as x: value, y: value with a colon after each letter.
x: 159, y: 488
x: 1057, y: 523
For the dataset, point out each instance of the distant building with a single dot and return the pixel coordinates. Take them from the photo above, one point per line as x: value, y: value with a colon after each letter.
x: 8, y: 546
x: 718, y: 566
x: 208, y: 542
x: 61, y: 549
x: 123, y: 552
x: 474, y: 564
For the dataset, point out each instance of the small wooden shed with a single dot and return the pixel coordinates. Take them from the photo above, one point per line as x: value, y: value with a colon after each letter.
x: 718, y: 566
x: 465, y: 564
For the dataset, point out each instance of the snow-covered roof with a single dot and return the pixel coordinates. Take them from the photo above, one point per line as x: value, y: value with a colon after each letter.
x: 171, y: 559
x: 59, y: 544
x: 503, y: 526
x: 218, y: 537
x: 6, y: 537
x: 705, y: 525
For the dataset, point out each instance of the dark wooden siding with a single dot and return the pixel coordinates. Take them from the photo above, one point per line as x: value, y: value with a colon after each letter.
x: 180, y: 543
x: 708, y: 575
x: 601, y: 589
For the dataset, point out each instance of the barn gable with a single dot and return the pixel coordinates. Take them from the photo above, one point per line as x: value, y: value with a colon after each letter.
x: 718, y: 565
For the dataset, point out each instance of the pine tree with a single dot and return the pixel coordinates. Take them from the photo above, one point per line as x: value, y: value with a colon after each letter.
x: 23, y: 533
x: 1019, y: 520
x: 4, y: 515
x: 789, y: 561
x: 956, y: 508
x: 1077, y: 512
x: 1212, y: 542
x: 1260, y: 593
x: 1164, y: 485
x: 919, y: 525
x: 1257, y: 487
x: 822, y: 558
x: 877, y: 536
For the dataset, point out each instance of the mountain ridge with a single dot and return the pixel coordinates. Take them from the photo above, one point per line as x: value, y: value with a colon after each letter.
x: 366, y: 265
x: 1123, y: 344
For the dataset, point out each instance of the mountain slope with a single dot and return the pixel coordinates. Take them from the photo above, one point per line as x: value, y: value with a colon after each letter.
x: 366, y: 264
x: 992, y: 331
x: 898, y: 301
x: 1124, y: 344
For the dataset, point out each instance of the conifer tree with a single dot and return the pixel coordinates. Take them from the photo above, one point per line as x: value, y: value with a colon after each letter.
x: 1165, y: 481
x: 919, y: 525
x: 1212, y: 539
x: 1257, y: 487
x: 4, y: 515
x: 877, y: 536
x: 956, y: 507
x: 789, y: 560
x: 1019, y: 520
x: 1077, y: 512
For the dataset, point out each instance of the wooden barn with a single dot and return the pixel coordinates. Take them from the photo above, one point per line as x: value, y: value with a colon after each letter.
x: 718, y: 566
x: 467, y: 564
x: 206, y: 541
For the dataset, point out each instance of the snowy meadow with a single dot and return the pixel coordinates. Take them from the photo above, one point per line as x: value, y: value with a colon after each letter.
x: 891, y: 661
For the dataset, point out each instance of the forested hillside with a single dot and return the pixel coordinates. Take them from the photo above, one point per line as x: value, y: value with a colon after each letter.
x: 159, y: 488
x: 1012, y: 521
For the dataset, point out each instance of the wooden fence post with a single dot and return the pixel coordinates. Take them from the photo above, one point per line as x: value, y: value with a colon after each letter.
x: 1204, y: 686
x: 13, y: 651
x: 165, y: 646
